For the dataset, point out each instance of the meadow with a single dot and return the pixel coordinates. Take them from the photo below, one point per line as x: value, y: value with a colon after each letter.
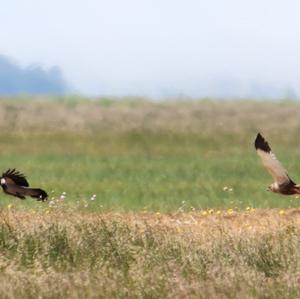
x: 59, y: 254
x: 138, y: 154
x: 148, y: 199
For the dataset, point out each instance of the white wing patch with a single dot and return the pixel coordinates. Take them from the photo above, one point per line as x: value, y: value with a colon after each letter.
x: 274, y: 167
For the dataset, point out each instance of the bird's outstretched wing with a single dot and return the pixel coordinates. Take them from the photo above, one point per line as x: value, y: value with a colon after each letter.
x: 270, y: 162
x: 13, y: 176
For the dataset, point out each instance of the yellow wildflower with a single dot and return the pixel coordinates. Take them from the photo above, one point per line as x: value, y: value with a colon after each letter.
x: 230, y: 211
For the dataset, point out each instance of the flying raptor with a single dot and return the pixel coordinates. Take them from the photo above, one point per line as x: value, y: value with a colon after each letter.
x: 14, y: 183
x: 282, y: 184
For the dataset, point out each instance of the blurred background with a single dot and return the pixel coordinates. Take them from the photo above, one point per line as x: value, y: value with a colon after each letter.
x: 161, y: 49
x: 149, y: 105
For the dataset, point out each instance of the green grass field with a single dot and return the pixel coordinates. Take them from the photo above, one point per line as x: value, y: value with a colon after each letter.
x: 140, y: 155
x: 181, y: 207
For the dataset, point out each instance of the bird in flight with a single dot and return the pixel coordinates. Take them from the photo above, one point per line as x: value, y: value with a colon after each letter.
x: 14, y: 183
x: 282, y: 184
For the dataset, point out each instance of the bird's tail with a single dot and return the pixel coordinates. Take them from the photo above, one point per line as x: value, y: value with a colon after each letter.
x: 36, y: 193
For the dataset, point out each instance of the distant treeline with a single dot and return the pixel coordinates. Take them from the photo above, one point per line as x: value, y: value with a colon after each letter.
x: 32, y: 80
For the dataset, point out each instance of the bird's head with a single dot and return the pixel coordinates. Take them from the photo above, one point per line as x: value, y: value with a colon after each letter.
x: 273, y: 187
x: 2, y: 181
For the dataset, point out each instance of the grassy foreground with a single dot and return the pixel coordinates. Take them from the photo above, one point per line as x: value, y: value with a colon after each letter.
x: 212, y: 254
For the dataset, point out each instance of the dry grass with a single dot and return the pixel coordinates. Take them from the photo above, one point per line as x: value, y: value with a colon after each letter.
x: 206, y: 254
x: 121, y: 116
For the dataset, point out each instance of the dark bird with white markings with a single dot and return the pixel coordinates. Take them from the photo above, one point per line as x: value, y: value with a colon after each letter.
x: 14, y: 183
x: 283, y: 184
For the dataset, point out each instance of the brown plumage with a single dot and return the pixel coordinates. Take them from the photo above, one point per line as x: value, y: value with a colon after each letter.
x: 283, y: 184
x: 14, y: 183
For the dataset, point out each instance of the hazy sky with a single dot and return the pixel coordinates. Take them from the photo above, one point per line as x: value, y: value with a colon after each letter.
x: 157, y: 47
